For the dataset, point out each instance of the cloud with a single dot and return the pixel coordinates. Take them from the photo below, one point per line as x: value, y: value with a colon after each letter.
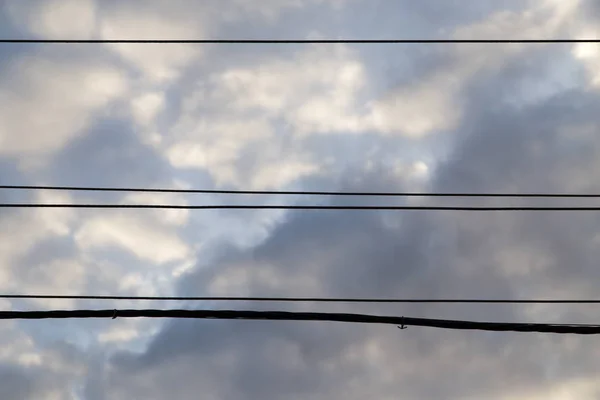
x: 119, y: 334
x: 181, y: 19
x: 146, y: 240
x: 315, y: 91
x: 176, y: 217
x: 584, y: 26
x: 514, y: 118
x: 147, y: 106
x: 36, y: 370
x: 326, y: 91
x: 543, y: 145
x: 432, y: 255
x: 46, y: 103
x: 21, y: 232
x: 433, y: 103
x: 421, y: 109
x: 55, y: 19
x: 231, y: 124
x: 157, y: 62
x: 36, y: 252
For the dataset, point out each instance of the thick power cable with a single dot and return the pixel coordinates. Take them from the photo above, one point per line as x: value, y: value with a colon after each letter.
x: 307, y: 316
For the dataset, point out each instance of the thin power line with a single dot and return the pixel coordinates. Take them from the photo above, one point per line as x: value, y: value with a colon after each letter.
x: 302, y: 299
x: 290, y: 207
x: 299, y: 41
x: 307, y: 316
x: 296, y: 193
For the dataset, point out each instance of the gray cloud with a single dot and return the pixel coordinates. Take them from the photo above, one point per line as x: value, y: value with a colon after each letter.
x: 549, y: 145
x: 513, y: 136
x: 63, y: 364
x: 15, y: 383
x: 110, y: 154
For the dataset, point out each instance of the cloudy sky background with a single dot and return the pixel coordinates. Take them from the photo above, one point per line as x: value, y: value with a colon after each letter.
x: 469, y: 117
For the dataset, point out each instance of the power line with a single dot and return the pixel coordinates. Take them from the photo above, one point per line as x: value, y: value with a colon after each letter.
x: 302, y: 299
x: 291, y: 207
x: 297, y: 193
x: 300, y: 41
x: 307, y: 316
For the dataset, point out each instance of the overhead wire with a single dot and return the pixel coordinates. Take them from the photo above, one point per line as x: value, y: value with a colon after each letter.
x: 302, y: 299
x: 292, y: 207
x: 305, y: 316
x: 402, y: 322
x: 300, y: 41
x: 296, y: 192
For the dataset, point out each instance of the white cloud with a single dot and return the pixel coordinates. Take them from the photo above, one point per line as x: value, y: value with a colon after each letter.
x: 146, y: 107
x: 417, y: 171
x: 544, y: 20
x: 419, y: 109
x: 60, y: 276
x: 20, y: 232
x: 434, y: 103
x: 214, y: 142
x: 158, y: 62
x: 177, y: 19
x: 269, y: 9
x: 243, y: 111
x: 17, y: 347
x: 175, y: 217
x: 589, y: 55
x: 570, y: 389
x: 316, y: 90
x: 281, y: 172
x: 119, y: 334
x: 324, y: 91
x: 147, y: 240
x: 59, y: 221
x: 45, y: 103
x: 55, y: 19
x: 282, y: 101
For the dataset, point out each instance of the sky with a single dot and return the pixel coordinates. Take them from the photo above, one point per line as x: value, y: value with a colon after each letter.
x: 361, y: 117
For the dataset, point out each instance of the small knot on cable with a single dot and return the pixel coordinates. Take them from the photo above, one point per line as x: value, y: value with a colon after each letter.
x: 114, y: 314
x: 402, y: 326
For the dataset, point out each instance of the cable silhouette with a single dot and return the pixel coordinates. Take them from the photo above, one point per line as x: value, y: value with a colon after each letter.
x: 402, y: 322
x: 296, y: 192
x: 301, y: 41
x: 302, y: 299
x: 291, y: 207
